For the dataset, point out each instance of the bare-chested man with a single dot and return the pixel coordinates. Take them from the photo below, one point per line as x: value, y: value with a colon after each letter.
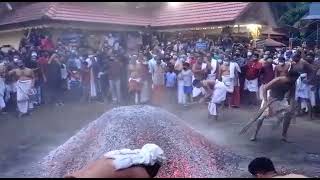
x: 228, y: 73
x: 24, y: 85
x: 215, y: 89
x: 282, y: 68
x: 199, y: 69
x: 306, y: 66
x: 300, y: 65
x: 281, y: 89
x: 124, y: 163
x: 227, y: 78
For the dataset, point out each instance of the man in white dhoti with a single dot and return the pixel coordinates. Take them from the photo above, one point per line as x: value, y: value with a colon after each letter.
x: 227, y: 73
x: 24, y: 85
x: 180, y: 89
x: 214, y: 72
x: 302, y: 94
x: 218, y: 92
x: 93, y: 90
x: 199, y: 70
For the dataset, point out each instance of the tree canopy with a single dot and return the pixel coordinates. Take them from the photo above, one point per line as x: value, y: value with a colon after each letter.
x: 288, y: 13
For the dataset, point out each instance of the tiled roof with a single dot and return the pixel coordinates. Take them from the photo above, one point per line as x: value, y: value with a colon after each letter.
x: 199, y: 12
x: 187, y: 13
x: 77, y: 11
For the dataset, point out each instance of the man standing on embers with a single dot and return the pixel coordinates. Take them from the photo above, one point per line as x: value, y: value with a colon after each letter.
x: 281, y: 89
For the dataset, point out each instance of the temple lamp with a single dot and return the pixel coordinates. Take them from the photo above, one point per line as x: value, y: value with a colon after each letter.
x: 254, y: 30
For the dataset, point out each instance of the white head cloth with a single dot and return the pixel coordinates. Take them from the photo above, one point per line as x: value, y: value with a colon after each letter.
x: 149, y: 154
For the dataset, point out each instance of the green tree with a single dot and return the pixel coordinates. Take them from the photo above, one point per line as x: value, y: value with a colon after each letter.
x: 288, y: 13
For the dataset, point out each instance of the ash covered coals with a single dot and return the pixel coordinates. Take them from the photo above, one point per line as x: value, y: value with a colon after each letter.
x: 188, y: 153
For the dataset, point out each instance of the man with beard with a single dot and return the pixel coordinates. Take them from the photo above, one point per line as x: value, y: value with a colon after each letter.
x: 25, y: 83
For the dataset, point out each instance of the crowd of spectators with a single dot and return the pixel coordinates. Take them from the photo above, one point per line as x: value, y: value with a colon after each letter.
x: 77, y: 66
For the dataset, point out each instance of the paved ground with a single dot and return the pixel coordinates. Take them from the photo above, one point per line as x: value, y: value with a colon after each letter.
x: 28, y: 139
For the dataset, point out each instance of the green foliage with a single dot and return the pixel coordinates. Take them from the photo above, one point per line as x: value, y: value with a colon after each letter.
x: 288, y: 13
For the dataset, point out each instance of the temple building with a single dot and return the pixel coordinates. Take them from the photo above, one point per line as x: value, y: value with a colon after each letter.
x: 245, y: 19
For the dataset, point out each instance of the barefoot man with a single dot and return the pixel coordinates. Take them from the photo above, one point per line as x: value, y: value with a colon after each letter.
x: 281, y: 88
x: 217, y: 90
x: 25, y: 83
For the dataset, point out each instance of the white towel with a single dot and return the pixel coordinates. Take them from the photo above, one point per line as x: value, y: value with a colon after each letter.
x: 23, y: 88
x: 251, y: 85
x: 213, y: 66
x: 218, y: 96
x: 229, y: 82
x: 302, y: 89
x: 93, y: 91
x: 148, y: 155
x: 180, y: 93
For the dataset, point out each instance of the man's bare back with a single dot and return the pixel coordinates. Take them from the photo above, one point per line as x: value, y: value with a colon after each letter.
x: 103, y: 168
x: 302, y: 66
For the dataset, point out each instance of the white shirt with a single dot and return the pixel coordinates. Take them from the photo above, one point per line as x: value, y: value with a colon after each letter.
x: 187, y: 77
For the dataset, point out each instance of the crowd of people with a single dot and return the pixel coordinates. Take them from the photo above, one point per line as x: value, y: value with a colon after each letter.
x: 181, y: 71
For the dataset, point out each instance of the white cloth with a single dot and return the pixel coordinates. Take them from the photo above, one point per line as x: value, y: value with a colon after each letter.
x: 302, y: 89
x: 218, y: 96
x: 149, y: 154
x: 2, y: 91
x: 214, y: 64
x: 213, y: 74
x: 181, y: 97
x: 64, y: 72
x: 251, y: 85
x: 229, y: 82
x: 23, y: 88
x: 196, y: 91
x: 93, y: 90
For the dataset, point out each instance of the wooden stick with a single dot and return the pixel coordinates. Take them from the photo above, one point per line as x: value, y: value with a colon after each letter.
x: 256, y: 117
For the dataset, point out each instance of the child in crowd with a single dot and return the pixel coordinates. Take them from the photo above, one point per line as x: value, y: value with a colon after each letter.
x: 186, y: 75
